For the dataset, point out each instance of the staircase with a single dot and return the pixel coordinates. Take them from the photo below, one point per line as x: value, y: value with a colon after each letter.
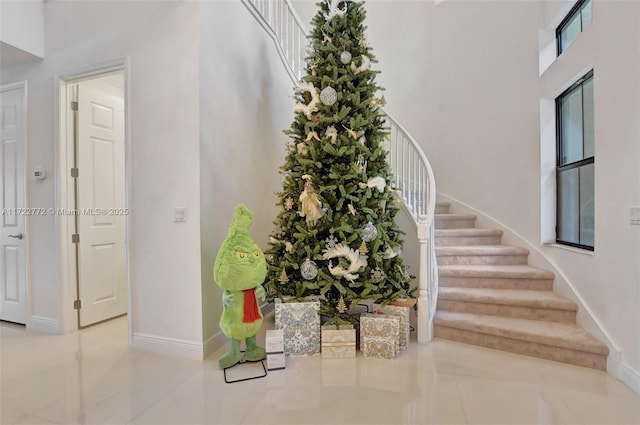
x: 489, y: 296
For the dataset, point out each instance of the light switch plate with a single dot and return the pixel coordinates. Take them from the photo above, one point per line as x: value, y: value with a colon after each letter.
x: 635, y: 215
x: 179, y: 215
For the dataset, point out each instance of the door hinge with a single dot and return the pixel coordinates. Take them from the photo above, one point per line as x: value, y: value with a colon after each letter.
x: 74, y: 105
x: 75, y: 238
x: 77, y: 305
x: 74, y: 172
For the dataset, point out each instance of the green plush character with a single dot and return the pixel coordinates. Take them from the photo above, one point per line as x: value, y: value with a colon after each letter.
x: 240, y: 269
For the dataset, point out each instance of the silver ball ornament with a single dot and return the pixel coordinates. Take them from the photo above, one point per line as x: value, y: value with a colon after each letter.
x: 309, y: 269
x: 345, y: 57
x: 368, y: 232
x: 328, y: 96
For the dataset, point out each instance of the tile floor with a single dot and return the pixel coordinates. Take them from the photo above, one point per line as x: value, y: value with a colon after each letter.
x: 92, y: 377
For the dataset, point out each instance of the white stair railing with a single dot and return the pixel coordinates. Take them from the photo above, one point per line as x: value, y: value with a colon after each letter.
x: 414, y: 180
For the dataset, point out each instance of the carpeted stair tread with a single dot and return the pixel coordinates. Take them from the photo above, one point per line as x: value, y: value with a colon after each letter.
x: 504, y: 272
x: 481, y: 250
x: 554, y: 334
x: 510, y: 297
x: 466, y: 232
x: 446, y: 217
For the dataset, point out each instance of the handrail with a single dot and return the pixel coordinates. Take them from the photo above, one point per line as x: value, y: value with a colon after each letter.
x: 413, y: 176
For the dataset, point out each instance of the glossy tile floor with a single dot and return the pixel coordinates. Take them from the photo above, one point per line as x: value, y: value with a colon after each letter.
x: 93, y: 377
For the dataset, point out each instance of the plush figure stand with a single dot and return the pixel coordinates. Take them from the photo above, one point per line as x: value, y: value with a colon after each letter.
x: 240, y: 269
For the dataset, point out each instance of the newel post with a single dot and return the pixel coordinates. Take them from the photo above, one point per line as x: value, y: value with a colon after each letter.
x: 425, y: 330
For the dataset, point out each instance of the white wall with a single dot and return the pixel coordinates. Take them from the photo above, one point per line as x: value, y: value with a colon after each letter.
x: 608, y: 280
x: 245, y: 106
x: 160, y: 42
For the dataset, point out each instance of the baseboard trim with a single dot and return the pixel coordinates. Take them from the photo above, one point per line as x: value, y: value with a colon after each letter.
x: 630, y: 377
x: 170, y: 346
x: 45, y: 325
x: 219, y: 339
x: 213, y: 343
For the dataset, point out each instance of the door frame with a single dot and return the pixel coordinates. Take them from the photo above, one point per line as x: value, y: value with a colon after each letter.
x: 25, y: 163
x: 66, y: 258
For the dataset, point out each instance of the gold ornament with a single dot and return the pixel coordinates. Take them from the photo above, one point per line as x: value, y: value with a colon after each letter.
x: 312, y: 66
x: 311, y: 205
x: 361, y: 41
x: 361, y: 164
x: 312, y: 135
x: 352, y: 210
x: 341, y: 305
x: 353, y: 133
x: 288, y: 203
x: 378, y: 102
x: 325, y: 38
x: 332, y: 134
x: 363, y: 248
x: 283, y: 277
x: 303, y: 149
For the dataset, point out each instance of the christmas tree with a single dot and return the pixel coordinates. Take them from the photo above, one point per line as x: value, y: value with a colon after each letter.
x: 336, y: 236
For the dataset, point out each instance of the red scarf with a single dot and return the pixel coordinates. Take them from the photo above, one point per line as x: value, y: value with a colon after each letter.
x: 251, y: 312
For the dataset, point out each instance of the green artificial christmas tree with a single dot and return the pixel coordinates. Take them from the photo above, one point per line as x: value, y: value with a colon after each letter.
x: 336, y: 235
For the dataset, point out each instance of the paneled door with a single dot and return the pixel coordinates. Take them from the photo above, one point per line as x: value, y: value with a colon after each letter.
x: 101, y: 206
x: 13, y: 247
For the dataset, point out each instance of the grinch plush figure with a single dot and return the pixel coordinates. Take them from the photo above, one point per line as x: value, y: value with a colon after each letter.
x: 240, y: 269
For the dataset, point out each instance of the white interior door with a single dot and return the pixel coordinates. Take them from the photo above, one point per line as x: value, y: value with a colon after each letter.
x: 13, y: 248
x: 101, y: 206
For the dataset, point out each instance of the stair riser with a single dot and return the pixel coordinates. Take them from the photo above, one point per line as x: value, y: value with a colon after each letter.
x: 442, y: 209
x: 564, y: 355
x: 495, y: 283
x: 479, y: 260
x: 466, y: 240
x: 503, y: 310
x: 455, y: 224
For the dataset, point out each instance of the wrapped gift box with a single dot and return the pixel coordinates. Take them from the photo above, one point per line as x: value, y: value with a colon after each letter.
x: 338, y: 342
x: 274, y: 341
x: 276, y: 361
x: 274, y: 346
x: 379, y: 335
x: 300, y: 323
x: 403, y: 315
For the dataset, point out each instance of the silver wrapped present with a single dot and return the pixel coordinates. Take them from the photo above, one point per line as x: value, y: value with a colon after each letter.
x: 300, y: 323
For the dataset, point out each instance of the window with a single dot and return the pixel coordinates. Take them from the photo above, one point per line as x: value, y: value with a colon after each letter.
x: 576, y: 21
x: 575, y: 165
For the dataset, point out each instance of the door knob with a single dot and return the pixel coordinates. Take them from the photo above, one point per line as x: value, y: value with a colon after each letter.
x: 18, y: 236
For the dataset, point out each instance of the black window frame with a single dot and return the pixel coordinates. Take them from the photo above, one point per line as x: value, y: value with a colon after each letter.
x: 575, y: 10
x: 560, y: 166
